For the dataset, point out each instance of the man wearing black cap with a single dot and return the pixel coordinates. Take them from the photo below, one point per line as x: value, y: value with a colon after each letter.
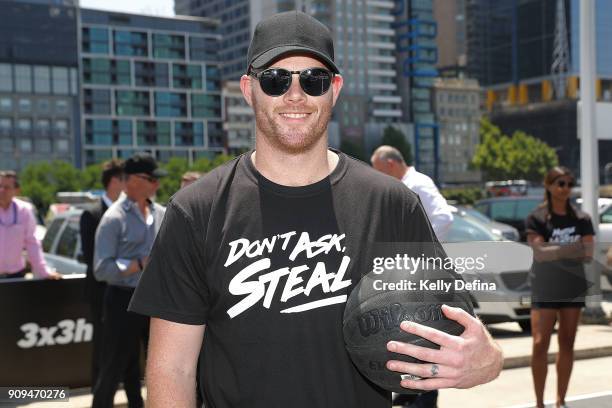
x: 122, y: 245
x: 254, y: 262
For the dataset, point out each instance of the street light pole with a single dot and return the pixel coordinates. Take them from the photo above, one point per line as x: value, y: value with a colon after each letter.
x: 589, y: 157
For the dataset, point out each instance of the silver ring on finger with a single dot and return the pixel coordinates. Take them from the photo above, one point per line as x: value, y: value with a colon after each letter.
x: 435, y: 369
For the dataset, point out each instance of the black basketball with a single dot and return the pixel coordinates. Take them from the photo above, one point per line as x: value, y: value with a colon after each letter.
x: 372, y: 317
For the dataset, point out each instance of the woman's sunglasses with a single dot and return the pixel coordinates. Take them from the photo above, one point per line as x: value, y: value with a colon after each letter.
x: 277, y: 81
x: 563, y: 183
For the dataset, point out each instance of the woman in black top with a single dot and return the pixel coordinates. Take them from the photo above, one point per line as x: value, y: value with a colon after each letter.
x: 561, y: 237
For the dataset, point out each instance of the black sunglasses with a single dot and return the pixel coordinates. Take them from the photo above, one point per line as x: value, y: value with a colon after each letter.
x: 277, y: 81
x: 563, y: 183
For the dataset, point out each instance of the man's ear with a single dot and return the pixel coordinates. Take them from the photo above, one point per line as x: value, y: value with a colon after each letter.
x: 337, y: 83
x: 247, y: 91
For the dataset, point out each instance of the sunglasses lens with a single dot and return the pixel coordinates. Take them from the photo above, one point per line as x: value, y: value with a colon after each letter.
x: 315, y: 81
x: 275, y: 82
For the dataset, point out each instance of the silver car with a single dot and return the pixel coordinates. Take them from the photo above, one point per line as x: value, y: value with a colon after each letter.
x: 62, y: 243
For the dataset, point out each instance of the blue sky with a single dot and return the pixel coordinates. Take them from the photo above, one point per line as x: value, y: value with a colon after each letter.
x: 154, y: 7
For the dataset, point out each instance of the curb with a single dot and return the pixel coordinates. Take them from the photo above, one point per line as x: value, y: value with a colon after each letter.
x: 579, y: 354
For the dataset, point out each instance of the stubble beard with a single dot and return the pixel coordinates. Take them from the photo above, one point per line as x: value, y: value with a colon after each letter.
x: 290, y: 139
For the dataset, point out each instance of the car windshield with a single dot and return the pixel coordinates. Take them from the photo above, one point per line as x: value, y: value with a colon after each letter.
x: 467, y: 228
x: 476, y: 214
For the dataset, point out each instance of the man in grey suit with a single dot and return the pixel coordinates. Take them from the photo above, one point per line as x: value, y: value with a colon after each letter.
x: 123, y: 242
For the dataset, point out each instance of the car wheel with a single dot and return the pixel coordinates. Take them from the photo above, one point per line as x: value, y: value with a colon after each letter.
x: 525, y: 325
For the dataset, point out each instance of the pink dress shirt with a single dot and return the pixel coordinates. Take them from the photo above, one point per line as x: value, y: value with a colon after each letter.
x: 17, y: 226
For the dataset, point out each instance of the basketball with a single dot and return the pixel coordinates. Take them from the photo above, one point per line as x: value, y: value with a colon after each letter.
x: 375, y: 309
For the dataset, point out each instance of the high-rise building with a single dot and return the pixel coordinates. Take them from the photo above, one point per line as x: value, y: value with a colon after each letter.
x: 364, y: 37
x: 515, y: 48
x: 457, y: 106
x: 39, y: 107
x: 416, y: 32
x: 149, y: 83
x: 451, y: 39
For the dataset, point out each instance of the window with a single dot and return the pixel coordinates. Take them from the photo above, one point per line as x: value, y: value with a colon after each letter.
x: 42, y: 80
x: 24, y: 124
x: 151, y: 74
x: 6, y: 104
x: 130, y: 43
x: 503, y: 210
x: 153, y: 133
x: 43, y: 124
x: 42, y: 105
x: 168, y: 46
x: 61, y: 106
x: 99, y: 132
x: 215, y: 134
x: 25, y: 145
x: 61, y: 145
x: 170, y: 104
x: 525, y: 207
x: 25, y: 105
x: 213, y: 78
x: 188, y: 134
x: 205, y: 106
x: 97, y: 156
x: 43, y: 145
x: 132, y: 103
x: 203, y: 49
x: 61, y: 126
x: 187, y: 76
x: 106, y: 132
x: 97, y: 101
x: 67, y: 243
x: 95, y: 40
x: 606, y: 216
x: 6, y: 145
x: 60, y: 80
x: 104, y: 71
x: 6, y: 124
x: 51, y: 234
x: 23, y: 78
x: 6, y: 77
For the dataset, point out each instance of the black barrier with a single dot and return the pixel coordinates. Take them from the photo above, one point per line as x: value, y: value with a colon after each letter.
x: 45, y: 333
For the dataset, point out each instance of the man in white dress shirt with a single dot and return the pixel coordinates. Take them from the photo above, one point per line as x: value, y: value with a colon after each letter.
x: 390, y: 161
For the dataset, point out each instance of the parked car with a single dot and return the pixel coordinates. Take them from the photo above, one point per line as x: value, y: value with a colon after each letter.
x: 505, y: 230
x: 62, y: 243
x: 509, y: 210
x: 507, y: 265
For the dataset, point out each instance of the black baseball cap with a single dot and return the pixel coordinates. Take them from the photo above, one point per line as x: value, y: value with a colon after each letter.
x: 143, y: 163
x: 289, y: 33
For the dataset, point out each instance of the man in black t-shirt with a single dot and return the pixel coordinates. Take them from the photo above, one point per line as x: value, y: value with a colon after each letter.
x: 254, y: 262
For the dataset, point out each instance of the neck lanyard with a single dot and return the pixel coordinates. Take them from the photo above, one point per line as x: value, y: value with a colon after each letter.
x: 14, y: 208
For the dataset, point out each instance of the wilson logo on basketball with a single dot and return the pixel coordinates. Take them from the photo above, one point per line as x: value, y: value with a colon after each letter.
x: 389, y: 317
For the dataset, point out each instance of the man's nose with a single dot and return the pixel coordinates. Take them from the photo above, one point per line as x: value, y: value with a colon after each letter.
x: 295, y: 92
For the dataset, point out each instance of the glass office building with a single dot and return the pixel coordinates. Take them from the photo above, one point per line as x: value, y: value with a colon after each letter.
x: 150, y: 83
x: 38, y: 83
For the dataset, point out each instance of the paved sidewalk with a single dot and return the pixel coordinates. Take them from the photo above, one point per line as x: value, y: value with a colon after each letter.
x: 591, y: 341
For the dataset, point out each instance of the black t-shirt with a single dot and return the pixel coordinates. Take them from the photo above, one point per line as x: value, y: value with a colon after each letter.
x: 268, y: 269
x: 560, y: 280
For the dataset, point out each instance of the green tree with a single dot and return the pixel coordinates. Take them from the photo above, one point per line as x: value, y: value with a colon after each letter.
x: 41, y: 181
x: 91, y: 177
x: 170, y: 184
x: 396, y: 138
x: 520, y: 156
x: 353, y: 149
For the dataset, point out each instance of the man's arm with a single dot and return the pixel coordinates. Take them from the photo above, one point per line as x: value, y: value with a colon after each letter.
x: 107, y: 265
x: 172, y: 362
x: 436, y: 208
x: 88, y: 233
x: 34, y: 250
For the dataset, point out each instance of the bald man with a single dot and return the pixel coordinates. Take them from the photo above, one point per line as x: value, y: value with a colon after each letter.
x: 390, y: 161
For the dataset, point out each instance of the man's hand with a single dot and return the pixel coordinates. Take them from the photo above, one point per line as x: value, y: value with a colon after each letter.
x: 461, y: 362
x: 52, y: 274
